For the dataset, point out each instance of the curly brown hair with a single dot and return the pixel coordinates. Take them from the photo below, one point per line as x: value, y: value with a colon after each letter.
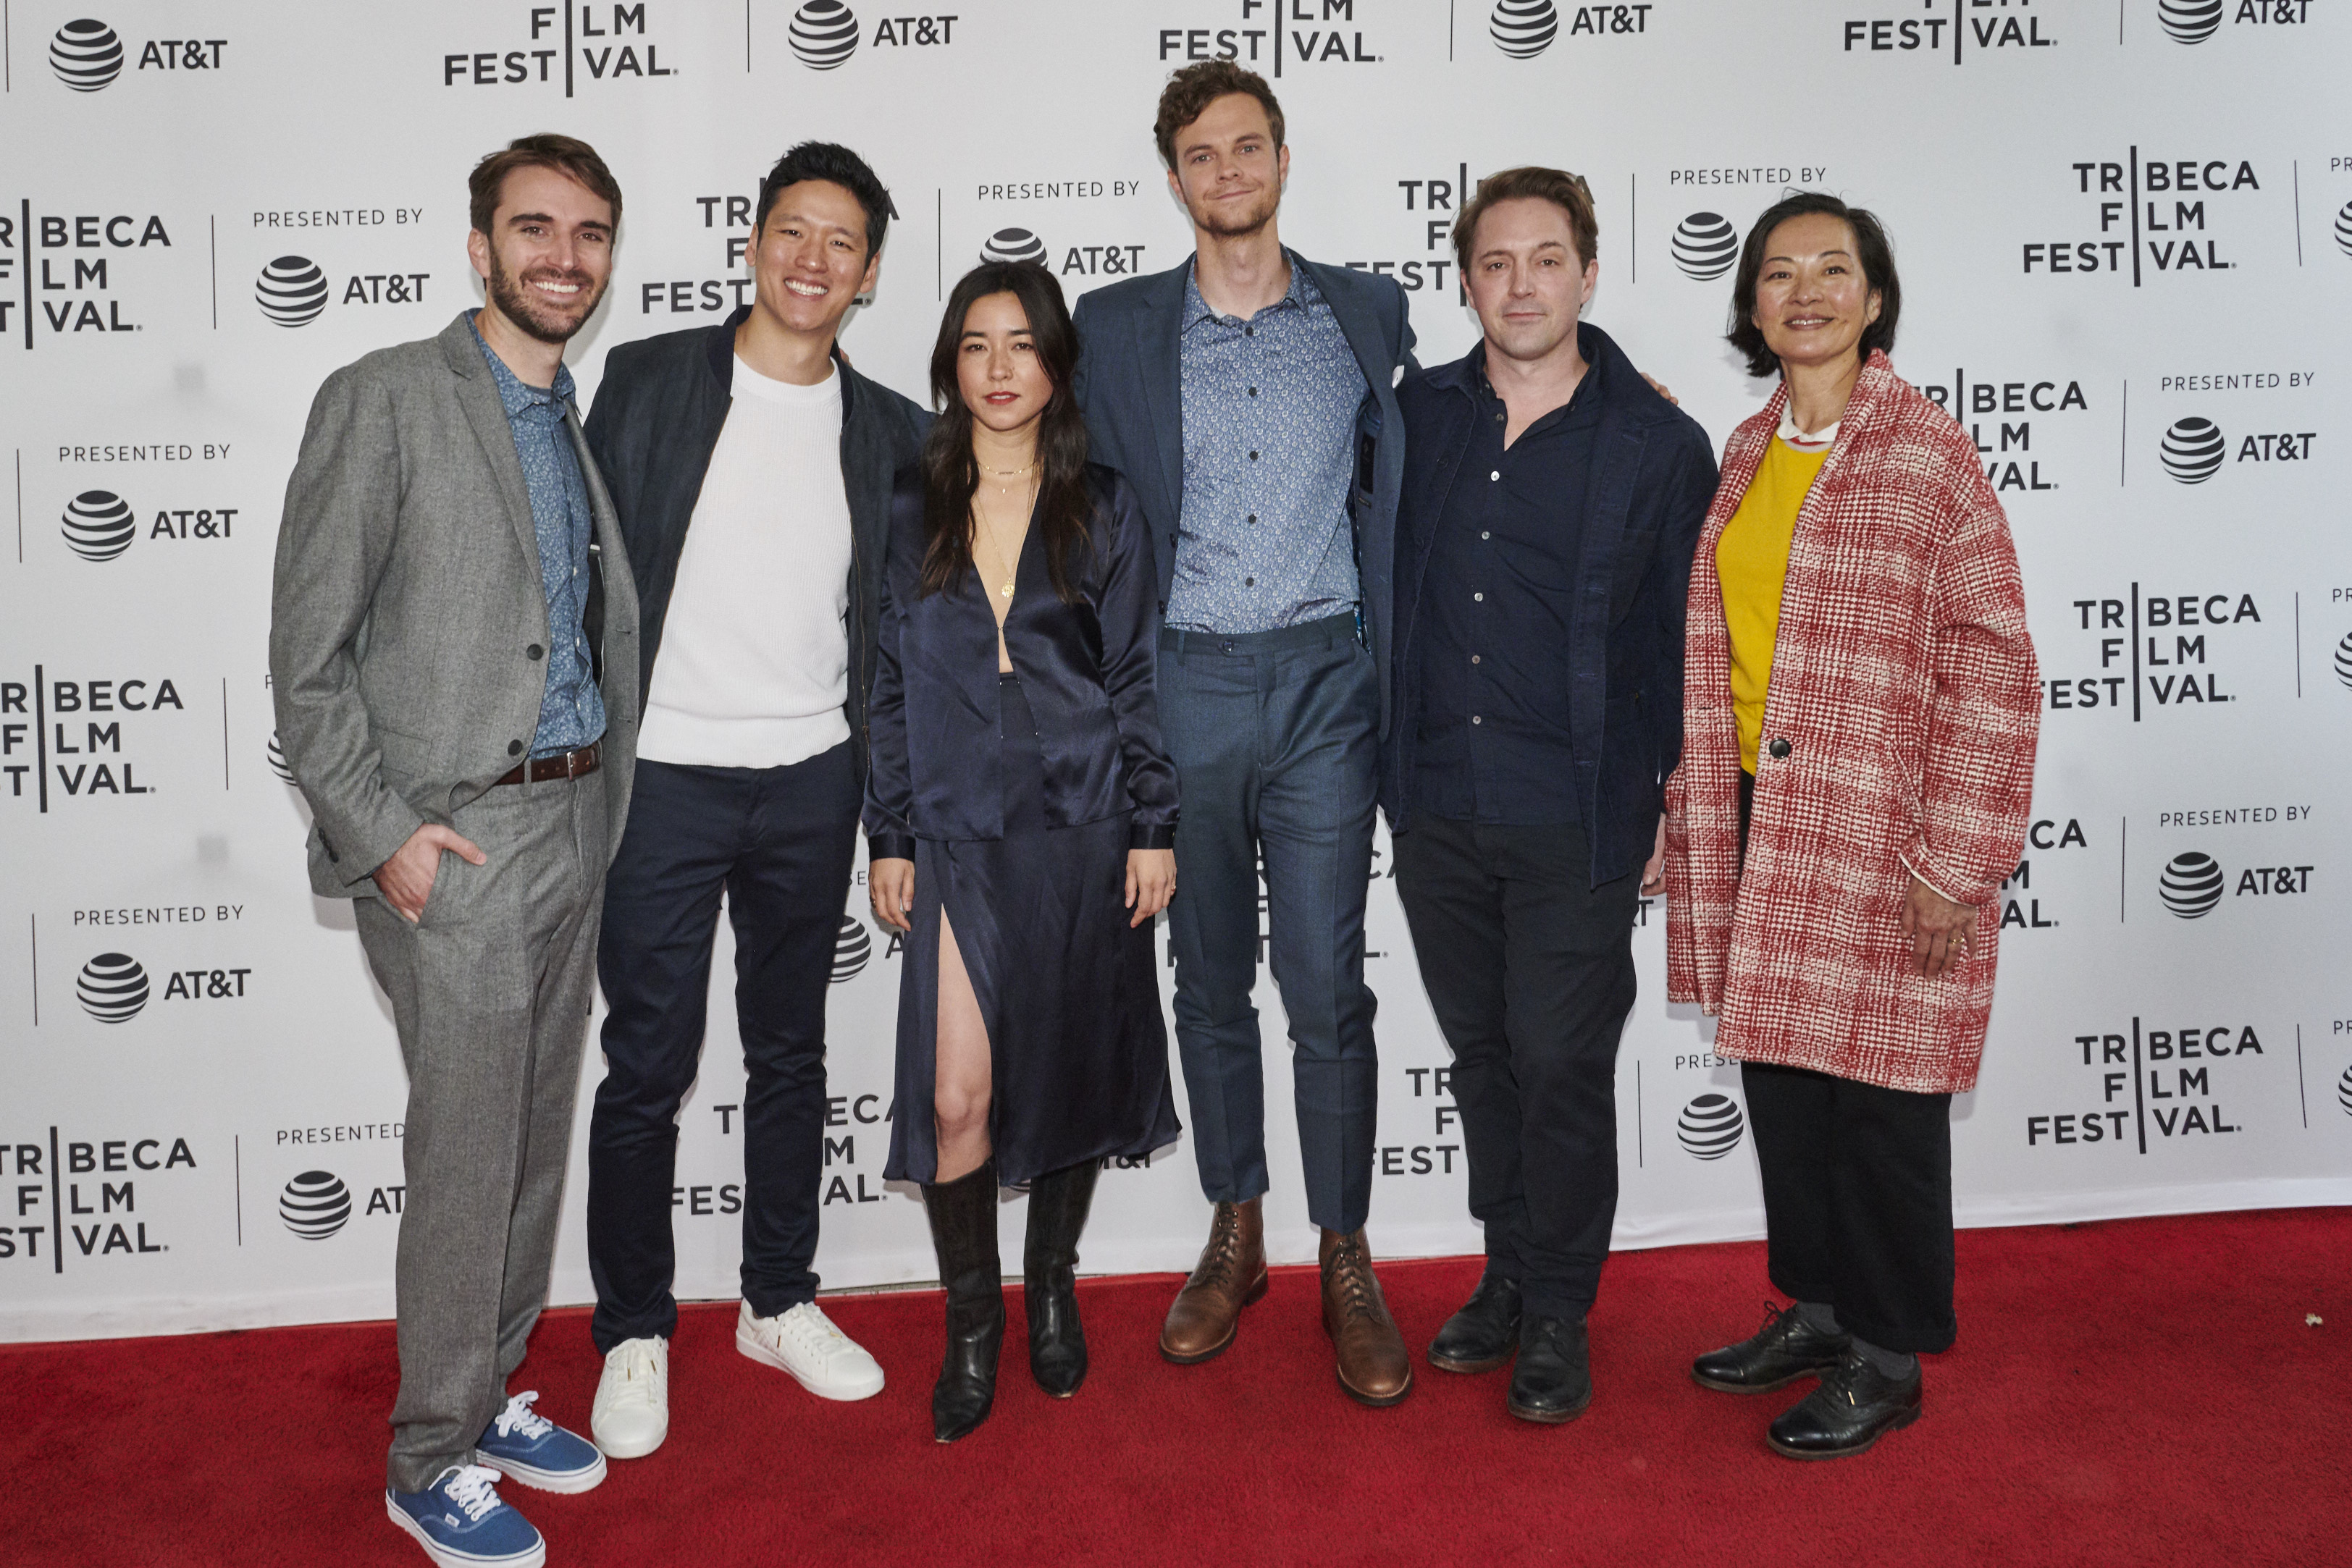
x: 1189, y: 93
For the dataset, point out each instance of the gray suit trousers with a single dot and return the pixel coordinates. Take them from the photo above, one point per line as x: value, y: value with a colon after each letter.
x: 491, y: 991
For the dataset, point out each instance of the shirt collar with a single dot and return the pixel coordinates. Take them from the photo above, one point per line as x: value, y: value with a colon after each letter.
x: 518, y: 396
x: 1587, y: 391
x: 1301, y: 295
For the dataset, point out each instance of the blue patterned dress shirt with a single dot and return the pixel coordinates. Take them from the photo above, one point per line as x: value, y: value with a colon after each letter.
x: 1270, y: 404
x: 571, y: 710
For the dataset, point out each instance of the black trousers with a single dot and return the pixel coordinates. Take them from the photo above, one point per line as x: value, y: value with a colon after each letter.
x: 1529, y: 970
x: 1858, y: 1201
x: 780, y: 842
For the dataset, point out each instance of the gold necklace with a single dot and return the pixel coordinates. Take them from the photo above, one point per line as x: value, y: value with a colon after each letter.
x: 1012, y: 563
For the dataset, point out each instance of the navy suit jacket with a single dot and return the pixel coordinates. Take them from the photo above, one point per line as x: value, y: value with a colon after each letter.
x: 1130, y: 385
x: 1646, y: 499
x: 1087, y: 669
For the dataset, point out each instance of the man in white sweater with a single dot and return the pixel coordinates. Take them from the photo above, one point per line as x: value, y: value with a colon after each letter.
x: 751, y: 470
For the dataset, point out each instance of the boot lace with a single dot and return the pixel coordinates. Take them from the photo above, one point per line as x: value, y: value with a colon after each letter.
x: 1220, y: 1259
x: 1352, y: 1272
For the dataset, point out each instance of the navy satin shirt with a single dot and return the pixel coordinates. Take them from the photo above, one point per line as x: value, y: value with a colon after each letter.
x: 1500, y: 596
x: 1086, y: 668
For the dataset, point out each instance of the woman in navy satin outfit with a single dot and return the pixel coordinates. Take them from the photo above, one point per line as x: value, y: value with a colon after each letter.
x: 1021, y: 816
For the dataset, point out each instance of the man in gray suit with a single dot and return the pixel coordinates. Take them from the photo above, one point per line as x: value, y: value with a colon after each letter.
x: 456, y: 689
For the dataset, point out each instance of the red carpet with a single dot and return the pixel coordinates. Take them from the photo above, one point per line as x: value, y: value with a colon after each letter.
x: 2140, y: 1392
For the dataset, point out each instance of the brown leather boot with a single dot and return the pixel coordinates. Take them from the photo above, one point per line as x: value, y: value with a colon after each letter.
x: 1373, y: 1366
x: 1230, y: 1275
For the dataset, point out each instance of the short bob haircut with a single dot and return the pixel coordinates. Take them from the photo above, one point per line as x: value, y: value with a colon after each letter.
x: 567, y: 155
x: 1563, y: 190
x: 1189, y: 93
x: 1871, y: 250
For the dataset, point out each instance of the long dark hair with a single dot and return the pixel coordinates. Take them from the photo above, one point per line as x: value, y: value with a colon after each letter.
x: 1871, y: 250
x: 950, y: 473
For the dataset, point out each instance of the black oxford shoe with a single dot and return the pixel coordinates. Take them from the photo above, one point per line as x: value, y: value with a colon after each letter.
x: 1855, y: 1406
x: 1784, y: 1350
x: 1484, y: 1335
x: 1553, y: 1382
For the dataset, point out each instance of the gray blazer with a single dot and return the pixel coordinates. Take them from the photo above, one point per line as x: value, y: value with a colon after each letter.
x: 407, y: 607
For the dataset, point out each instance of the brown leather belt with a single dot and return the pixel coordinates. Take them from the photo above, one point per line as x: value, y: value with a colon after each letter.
x: 565, y: 765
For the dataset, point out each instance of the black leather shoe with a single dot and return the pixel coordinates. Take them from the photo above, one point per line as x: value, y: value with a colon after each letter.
x: 1484, y: 1335
x: 1855, y: 1406
x: 1057, y: 1213
x: 1784, y: 1350
x: 1554, y: 1379
x: 964, y: 1234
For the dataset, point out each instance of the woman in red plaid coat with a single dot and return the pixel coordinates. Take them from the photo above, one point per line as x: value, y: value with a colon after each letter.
x: 1860, y: 708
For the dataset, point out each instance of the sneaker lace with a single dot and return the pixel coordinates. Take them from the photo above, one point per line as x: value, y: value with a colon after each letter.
x: 814, y: 1331
x: 474, y: 1488
x: 519, y: 1418
x: 639, y: 1369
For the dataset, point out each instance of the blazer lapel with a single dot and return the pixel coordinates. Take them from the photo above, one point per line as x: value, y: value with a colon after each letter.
x: 1159, y: 334
x: 478, y: 394
x: 1363, y: 335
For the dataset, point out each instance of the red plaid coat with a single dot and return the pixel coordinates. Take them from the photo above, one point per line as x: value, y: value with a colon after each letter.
x: 1905, y: 685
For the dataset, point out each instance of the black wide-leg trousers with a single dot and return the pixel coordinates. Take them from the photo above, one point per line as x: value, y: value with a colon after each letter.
x: 1857, y: 1194
x: 1529, y: 970
x: 780, y: 844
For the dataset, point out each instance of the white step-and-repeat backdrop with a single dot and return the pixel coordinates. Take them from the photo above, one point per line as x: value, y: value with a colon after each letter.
x: 2125, y: 228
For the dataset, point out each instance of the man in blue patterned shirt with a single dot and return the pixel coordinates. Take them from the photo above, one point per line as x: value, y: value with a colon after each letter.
x: 1244, y: 395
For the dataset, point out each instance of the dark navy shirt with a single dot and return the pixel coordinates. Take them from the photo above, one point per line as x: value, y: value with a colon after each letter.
x: 1264, y: 539
x: 570, y: 710
x: 1499, y: 597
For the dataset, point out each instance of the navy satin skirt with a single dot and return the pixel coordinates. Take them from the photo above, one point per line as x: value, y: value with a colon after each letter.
x: 1068, y: 990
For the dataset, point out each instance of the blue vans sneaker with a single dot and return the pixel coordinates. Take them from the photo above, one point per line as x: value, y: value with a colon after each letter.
x: 461, y: 1523
x: 529, y: 1448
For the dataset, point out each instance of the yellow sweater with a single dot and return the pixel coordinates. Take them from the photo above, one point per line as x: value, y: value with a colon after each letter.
x: 1751, y: 560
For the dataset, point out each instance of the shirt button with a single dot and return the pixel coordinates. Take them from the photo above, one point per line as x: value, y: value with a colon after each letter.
x: 1473, y: 658
x: 1479, y: 597
x: 1485, y: 535
x: 1252, y: 457
x: 1496, y: 475
x: 1252, y: 392
x: 1500, y: 418
x: 1252, y: 516
x: 1252, y: 582
x: 1475, y: 719
x: 1249, y: 331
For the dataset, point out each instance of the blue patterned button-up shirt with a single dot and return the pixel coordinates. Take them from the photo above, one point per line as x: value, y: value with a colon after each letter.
x: 1270, y: 408
x: 571, y: 710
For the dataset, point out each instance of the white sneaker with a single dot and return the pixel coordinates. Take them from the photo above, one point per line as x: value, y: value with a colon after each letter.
x: 803, y: 1342
x: 631, y: 1416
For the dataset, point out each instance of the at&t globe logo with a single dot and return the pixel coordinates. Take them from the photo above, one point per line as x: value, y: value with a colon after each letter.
x: 2344, y: 229
x: 851, y: 949
x: 2193, y: 449
x: 291, y: 291
x: 823, y: 34
x: 2344, y: 1092
x: 2344, y: 660
x: 1705, y: 245
x: 98, y: 525
x: 2192, y: 884
x: 1014, y: 245
x: 1523, y: 29
x: 277, y: 763
x: 1709, y: 1126
x: 315, y: 1205
x: 2189, y: 21
x: 112, y: 988
x: 86, y: 54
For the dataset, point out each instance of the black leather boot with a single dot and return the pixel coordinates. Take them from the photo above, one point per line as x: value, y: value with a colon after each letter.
x: 964, y: 1234
x: 1049, y: 1267
x: 1785, y: 1348
x: 1484, y: 1335
x: 1553, y: 1382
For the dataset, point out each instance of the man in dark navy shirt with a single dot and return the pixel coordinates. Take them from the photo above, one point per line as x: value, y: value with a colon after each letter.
x: 1551, y: 503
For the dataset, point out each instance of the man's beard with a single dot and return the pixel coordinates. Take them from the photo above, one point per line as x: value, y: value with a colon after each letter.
x: 1232, y: 225
x: 507, y: 293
